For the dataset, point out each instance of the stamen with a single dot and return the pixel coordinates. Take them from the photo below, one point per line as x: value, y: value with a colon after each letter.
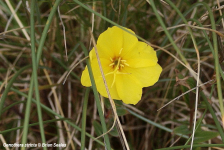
x: 120, y: 51
x: 113, y: 80
x: 122, y: 73
x: 111, y: 59
x: 111, y: 64
x: 126, y: 64
x: 109, y: 73
x: 117, y: 64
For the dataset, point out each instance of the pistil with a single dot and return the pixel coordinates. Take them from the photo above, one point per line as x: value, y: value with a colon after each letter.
x: 117, y: 64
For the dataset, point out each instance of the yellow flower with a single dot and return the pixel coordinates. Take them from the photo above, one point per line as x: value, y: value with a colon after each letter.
x: 128, y: 65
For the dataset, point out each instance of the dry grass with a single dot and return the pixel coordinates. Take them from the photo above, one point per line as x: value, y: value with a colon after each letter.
x: 62, y: 50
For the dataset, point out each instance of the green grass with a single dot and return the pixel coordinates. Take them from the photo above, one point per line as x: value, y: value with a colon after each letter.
x: 36, y: 107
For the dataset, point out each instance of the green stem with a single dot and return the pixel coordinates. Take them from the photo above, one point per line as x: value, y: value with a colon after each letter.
x: 46, y: 28
x: 215, y: 54
x: 39, y: 52
x: 216, y: 57
x: 202, y: 94
x: 108, y: 20
x: 66, y: 68
x: 53, y: 113
x: 198, y: 125
x: 97, y: 99
x: 35, y: 77
x: 31, y: 125
x: 83, y: 132
x: 166, y: 31
x: 194, y: 146
x: 198, y: 58
x: 10, y: 106
x: 27, y: 114
x: 154, y: 124
x: 219, y: 128
x: 7, y: 89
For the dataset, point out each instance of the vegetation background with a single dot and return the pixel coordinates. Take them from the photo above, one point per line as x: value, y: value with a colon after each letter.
x: 41, y: 40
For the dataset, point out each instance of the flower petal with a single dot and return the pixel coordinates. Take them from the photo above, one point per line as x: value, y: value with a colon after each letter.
x: 110, y: 42
x: 128, y: 88
x: 147, y: 76
x: 85, y: 79
x: 142, y: 55
x: 129, y: 42
x: 112, y: 89
x: 115, y: 42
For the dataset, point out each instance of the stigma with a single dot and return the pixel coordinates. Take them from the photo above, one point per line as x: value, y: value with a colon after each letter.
x: 117, y: 64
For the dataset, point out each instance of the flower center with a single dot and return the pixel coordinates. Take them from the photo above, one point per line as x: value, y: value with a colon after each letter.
x: 117, y: 64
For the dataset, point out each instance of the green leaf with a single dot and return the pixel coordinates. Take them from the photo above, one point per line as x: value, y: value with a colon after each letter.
x: 202, y: 105
x: 107, y: 103
x: 119, y: 106
x: 202, y: 136
x: 114, y: 132
x: 118, y: 102
x: 98, y: 128
x: 191, y: 82
x: 183, y: 129
x: 186, y: 83
x: 120, y: 110
x: 197, y: 148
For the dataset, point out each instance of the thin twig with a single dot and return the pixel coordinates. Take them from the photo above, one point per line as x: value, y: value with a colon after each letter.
x: 192, y: 26
x: 59, y: 14
x: 108, y: 92
x: 184, y: 94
